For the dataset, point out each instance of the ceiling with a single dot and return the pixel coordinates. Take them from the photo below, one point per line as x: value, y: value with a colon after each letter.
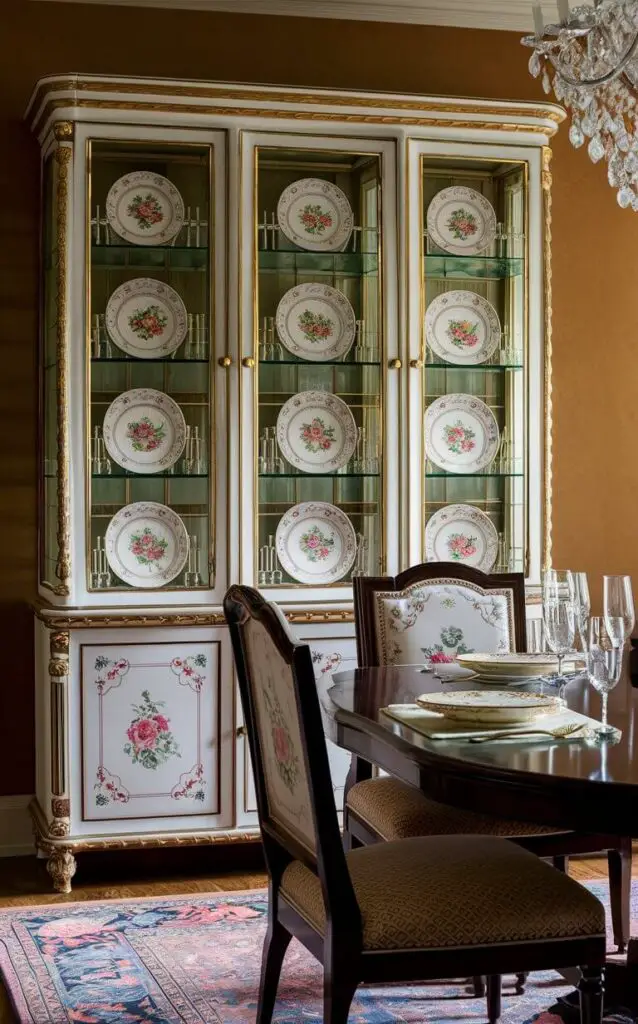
x: 513, y: 15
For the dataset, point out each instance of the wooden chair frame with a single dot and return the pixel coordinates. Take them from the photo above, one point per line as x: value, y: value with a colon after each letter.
x: 558, y: 846
x: 340, y: 949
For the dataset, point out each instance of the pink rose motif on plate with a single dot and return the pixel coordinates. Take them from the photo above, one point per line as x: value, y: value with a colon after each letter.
x: 461, y: 546
x: 315, y: 326
x: 316, y: 436
x: 314, y: 219
x: 462, y: 224
x: 147, y: 547
x: 144, y: 435
x: 146, y: 210
x: 150, y: 740
x: 315, y: 544
x: 459, y: 437
x: 462, y: 333
x: 148, y: 323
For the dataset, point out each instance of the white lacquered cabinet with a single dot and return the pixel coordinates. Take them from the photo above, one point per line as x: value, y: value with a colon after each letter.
x: 244, y: 350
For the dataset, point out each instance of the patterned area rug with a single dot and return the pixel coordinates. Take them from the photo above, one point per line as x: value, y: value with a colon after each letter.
x: 197, y: 960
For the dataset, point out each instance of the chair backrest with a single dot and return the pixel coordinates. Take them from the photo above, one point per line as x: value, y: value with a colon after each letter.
x: 295, y: 799
x: 435, y: 611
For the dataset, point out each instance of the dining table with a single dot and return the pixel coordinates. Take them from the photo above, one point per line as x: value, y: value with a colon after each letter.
x: 584, y: 783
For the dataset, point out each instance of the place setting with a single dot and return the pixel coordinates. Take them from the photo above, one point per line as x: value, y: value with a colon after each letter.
x: 520, y: 696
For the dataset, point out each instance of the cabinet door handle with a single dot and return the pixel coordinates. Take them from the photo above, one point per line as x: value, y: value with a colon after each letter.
x: 416, y: 364
x: 248, y: 362
x: 225, y: 361
x: 395, y: 364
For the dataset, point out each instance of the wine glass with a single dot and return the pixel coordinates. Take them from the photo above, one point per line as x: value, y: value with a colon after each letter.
x: 582, y: 606
x: 558, y: 616
x: 618, y: 603
x: 603, y: 669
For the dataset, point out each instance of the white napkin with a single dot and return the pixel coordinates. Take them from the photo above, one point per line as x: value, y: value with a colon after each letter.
x: 436, y: 727
x: 449, y: 671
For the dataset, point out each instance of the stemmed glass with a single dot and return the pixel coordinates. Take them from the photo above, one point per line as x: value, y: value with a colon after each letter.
x: 558, y: 616
x: 618, y: 603
x: 582, y: 605
x: 603, y: 668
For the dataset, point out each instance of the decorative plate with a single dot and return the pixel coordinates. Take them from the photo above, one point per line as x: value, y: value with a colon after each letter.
x: 316, y: 322
x: 461, y: 433
x: 316, y: 432
x: 315, y: 214
x: 145, y: 208
x: 463, y: 534
x: 146, y: 318
x: 496, y: 707
x: 146, y: 544
x: 461, y: 221
x: 462, y: 328
x: 316, y: 542
x: 521, y: 665
x: 144, y: 431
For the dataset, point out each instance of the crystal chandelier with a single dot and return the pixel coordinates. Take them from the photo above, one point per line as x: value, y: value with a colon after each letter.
x: 590, y: 60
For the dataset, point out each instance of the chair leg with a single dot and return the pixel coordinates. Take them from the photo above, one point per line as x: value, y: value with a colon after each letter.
x: 275, y: 945
x: 561, y: 863
x: 521, y: 978
x: 478, y: 982
x: 619, y: 863
x: 493, y: 998
x: 591, y: 995
x: 338, y: 993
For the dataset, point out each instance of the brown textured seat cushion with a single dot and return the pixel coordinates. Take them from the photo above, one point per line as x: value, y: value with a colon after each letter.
x: 452, y: 891
x: 397, y: 811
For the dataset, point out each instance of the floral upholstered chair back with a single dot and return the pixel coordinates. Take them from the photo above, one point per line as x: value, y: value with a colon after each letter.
x: 272, y: 689
x: 434, y: 620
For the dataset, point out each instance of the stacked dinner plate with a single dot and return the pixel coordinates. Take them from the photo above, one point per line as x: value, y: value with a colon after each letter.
x: 509, y: 668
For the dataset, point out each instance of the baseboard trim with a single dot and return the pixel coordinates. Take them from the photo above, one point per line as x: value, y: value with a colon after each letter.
x: 16, y: 831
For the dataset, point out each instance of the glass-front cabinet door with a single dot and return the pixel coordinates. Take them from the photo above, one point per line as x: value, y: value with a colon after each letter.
x: 318, y: 336
x: 478, y: 343
x: 152, y: 235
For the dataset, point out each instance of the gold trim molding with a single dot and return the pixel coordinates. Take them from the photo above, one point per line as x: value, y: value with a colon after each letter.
x: 546, y: 182
x: 63, y: 155
x: 126, y: 620
x: 63, y: 131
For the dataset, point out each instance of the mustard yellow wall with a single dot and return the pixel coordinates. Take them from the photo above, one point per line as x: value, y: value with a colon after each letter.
x: 595, y: 263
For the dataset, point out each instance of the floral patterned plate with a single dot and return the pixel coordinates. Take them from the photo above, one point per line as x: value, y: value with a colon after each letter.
x: 496, y: 707
x: 316, y: 543
x: 316, y: 432
x: 146, y: 318
x: 316, y: 322
x: 144, y: 431
x: 461, y: 434
x: 463, y: 534
x: 145, y: 208
x: 146, y: 544
x: 462, y: 328
x: 315, y: 214
x: 461, y: 221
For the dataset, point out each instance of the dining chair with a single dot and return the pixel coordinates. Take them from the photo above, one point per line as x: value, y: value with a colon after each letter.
x: 435, y: 611
x: 406, y: 911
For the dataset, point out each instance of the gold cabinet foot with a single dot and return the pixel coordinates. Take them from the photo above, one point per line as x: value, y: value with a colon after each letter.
x: 61, y: 865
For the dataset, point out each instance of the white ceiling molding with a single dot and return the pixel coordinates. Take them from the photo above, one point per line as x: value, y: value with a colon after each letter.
x: 512, y: 15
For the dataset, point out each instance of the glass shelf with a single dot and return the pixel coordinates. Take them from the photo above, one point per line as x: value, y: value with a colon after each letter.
x: 491, y: 267
x: 485, y: 367
x: 138, y: 362
x: 311, y: 362
x: 153, y: 257
x: 318, y: 476
x: 342, y: 264
x: 126, y: 474
x: 472, y: 476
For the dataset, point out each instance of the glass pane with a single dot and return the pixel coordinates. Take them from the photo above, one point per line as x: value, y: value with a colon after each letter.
x: 49, y: 326
x: 150, y: 347
x: 319, y: 330
x: 475, y: 272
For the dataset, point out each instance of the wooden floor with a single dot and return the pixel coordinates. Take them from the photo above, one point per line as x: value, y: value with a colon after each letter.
x: 117, y: 876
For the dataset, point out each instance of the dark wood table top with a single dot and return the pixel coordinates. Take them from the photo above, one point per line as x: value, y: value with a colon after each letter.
x: 587, y: 785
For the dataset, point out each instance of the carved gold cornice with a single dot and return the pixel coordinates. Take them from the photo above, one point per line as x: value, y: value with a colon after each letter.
x: 126, y: 619
x: 546, y: 182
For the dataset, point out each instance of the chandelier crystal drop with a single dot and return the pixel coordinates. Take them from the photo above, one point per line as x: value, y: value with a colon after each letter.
x: 590, y: 60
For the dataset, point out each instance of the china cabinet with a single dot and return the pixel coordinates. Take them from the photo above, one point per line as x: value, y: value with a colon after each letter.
x: 287, y: 337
